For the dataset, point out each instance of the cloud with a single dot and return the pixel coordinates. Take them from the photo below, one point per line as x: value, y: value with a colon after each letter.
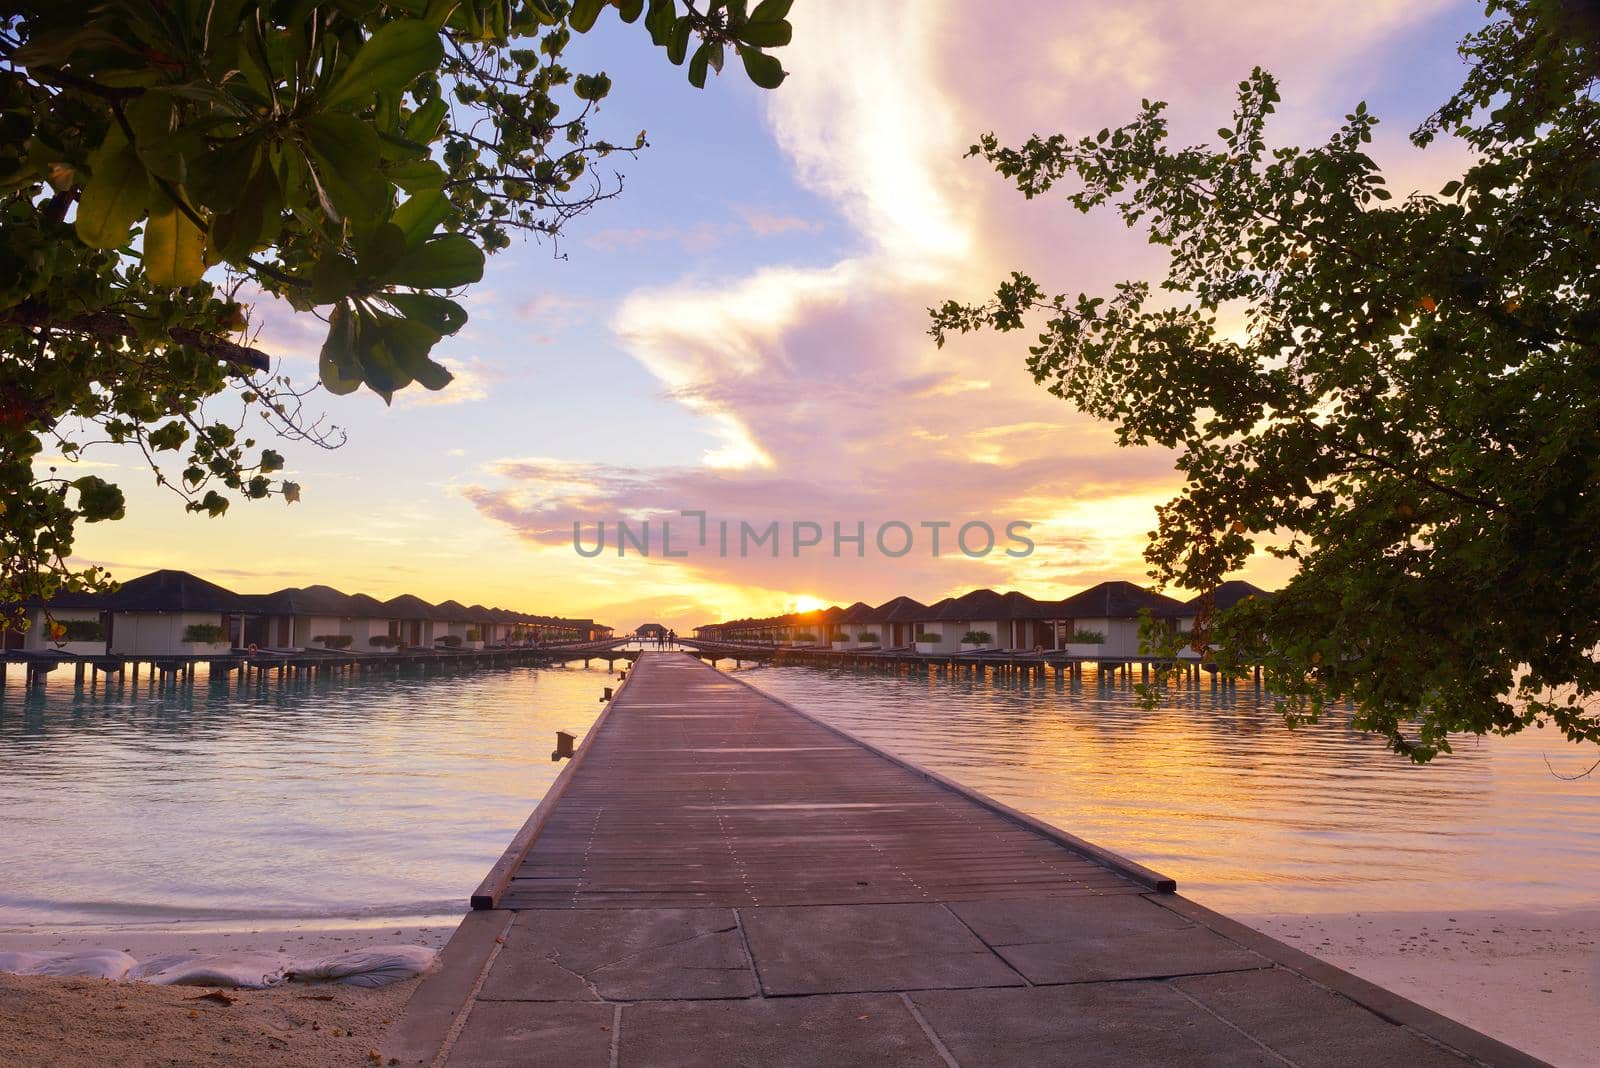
x: 825, y: 398
x: 770, y: 224
x: 695, y: 238
x: 471, y: 383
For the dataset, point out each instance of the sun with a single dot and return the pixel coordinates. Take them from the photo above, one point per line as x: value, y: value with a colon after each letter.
x: 807, y: 603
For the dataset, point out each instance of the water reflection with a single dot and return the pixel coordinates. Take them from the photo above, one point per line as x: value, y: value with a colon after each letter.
x: 1214, y: 790
x: 328, y: 798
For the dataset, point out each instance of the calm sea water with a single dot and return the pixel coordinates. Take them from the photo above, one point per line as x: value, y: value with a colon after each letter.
x: 391, y: 798
x: 1249, y: 816
x: 339, y: 800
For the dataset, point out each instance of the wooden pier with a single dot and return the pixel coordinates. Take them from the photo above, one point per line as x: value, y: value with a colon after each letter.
x: 37, y: 667
x: 718, y: 879
x: 1125, y: 670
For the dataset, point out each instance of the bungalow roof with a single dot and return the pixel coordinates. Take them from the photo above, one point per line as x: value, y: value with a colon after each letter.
x: 900, y: 609
x: 409, y: 606
x: 367, y: 607
x: 855, y: 613
x: 1229, y: 594
x: 173, y: 591
x: 1114, y: 600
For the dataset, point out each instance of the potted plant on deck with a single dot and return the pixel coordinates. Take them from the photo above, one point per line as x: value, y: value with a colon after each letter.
x: 866, y: 640
x: 333, y: 641
x: 78, y: 637
x: 975, y: 640
x: 803, y: 638
x: 927, y: 643
x: 1085, y: 643
x: 474, y: 639
x: 205, y: 639
x: 384, y: 643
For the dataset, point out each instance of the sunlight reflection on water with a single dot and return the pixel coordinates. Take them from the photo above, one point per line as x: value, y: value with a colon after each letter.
x: 1213, y: 790
x: 301, y: 800
x: 391, y: 798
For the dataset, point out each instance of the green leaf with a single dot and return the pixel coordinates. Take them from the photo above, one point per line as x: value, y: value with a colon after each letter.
x: 380, y: 250
x: 591, y: 87
x: 697, y: 65
x: 771, y: 10
x: 116, y: 196
x: 442, y: 263
x: 254, y: 222
x: 345, y: 151
x: 174, y: 247
x: 678, y: 44
x: 629, y: 10
x: 161, y: 146
x: 660, y: 21
x: 763, y: 69
x: 584, y: 12
x: 98, y: 499
x: 168, y: 436
x: 218, y: 177
x: 338, y: 364
x: 420, y: 215
x: 423, y: 124
x: 415, y: 176
x: 440, y: 314
x: 270, y: 461
x: 332, y: 279
x: 390, y: 59
x: 766, y: 34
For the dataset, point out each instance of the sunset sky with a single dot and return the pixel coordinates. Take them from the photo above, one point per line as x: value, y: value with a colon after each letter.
x: 744, y: 330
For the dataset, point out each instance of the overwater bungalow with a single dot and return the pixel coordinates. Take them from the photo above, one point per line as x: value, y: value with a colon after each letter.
x: 1222, y: 598
x: 480, y: 629
x: 450, y: 620
x: 172, y: 613
x: 82, y: 617
x: 1007, y: 621
x: 175, y: 613
x: 849, y: 625
x: 896, y: 621
x: 297, y: 618
x: 411, y: 620
x: 1110, y: 611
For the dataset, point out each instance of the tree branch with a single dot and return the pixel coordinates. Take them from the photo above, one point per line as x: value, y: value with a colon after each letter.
x: 109, y: 326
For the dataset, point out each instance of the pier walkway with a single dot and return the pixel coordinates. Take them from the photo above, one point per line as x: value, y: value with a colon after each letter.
x: 718, y: 879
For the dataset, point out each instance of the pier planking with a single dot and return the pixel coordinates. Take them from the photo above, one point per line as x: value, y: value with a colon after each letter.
x: 721, y: 879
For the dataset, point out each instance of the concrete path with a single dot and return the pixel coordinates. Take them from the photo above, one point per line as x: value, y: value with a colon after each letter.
x: 718, y: 879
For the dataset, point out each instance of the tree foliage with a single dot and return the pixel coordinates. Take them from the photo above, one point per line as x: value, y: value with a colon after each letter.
x: 1399, y: 394
x: 162, y: 161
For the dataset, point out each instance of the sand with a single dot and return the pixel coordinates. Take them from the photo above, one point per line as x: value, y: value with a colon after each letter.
x: 1530, y: 979
x: 48, y: 1022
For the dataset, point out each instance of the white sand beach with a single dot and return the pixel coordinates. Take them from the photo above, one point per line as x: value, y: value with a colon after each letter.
x: 53, y: 1022
x: 1531, y: 979
x: 1528, y: 978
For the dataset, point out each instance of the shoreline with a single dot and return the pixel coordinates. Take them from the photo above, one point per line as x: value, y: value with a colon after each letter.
x: 75, y: 1022
x: 1527, y: 977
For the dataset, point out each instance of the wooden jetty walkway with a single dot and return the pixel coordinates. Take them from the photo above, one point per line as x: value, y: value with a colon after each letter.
x: 1184, y: 670
x: 307, y: 664
x: 718, y: 879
